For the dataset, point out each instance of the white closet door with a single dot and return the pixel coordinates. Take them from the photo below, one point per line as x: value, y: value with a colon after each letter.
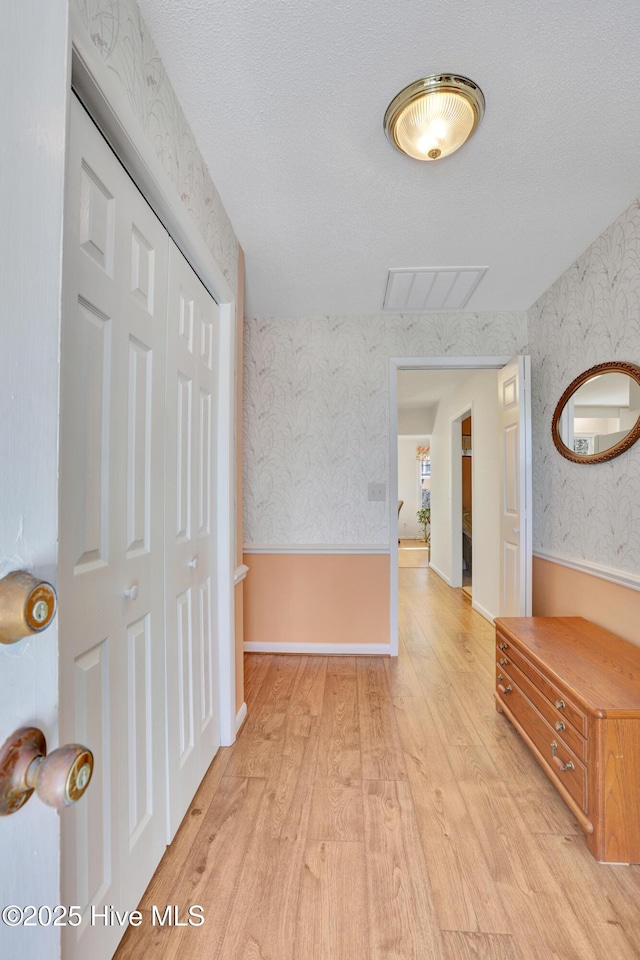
x: 193, y: 734
x: 111, y: 607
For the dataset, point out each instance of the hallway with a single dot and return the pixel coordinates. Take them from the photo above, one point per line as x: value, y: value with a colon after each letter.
x: 382, y: 810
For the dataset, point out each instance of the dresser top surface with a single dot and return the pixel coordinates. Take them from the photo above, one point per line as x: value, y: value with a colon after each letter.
x: 601, y: 669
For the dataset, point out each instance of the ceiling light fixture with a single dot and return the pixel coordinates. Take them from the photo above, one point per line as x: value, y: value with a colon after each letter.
x: 434, y: 116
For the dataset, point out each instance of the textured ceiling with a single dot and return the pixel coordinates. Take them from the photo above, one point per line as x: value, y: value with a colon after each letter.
x: 286, y: 99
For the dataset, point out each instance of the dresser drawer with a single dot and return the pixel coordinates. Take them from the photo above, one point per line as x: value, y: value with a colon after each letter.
x: 540, y: 658
x: 555, y: 752
x: 564, y: 731
x: 565, y: 708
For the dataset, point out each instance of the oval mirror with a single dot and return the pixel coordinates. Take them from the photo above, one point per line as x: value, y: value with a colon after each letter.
x: 598, y: 416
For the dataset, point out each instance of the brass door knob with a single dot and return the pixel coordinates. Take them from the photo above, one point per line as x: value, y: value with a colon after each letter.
x: 59, y: 778
x: 27, y: 605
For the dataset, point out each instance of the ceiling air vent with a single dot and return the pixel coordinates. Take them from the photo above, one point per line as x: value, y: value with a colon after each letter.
x: 431, y: 288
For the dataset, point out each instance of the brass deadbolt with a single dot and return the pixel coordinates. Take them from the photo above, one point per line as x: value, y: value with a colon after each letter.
x: 27, y: 605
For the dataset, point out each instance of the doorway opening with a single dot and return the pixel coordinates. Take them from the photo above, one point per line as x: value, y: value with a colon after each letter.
x: 447, y: 541
x: 415, y: 418
x: 462, y: 502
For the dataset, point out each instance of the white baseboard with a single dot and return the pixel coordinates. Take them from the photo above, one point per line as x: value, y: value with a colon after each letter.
x: 315, y: 548
x: 440, y: 574
x: 482, y: 611
x: 622, y: 577
x: 322, y: 649
x: 240, y: 716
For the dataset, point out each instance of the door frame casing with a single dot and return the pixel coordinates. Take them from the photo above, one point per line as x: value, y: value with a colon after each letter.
x: 110, y: 111
x: 455, y: 425
x: 414, y: 363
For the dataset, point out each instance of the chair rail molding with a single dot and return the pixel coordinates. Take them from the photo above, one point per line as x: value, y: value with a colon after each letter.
x: 621, y: 577
x: 240, y: 573
x: 311, y: 548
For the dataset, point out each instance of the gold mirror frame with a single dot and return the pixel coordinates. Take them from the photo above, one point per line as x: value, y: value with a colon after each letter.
x: 633, y: 371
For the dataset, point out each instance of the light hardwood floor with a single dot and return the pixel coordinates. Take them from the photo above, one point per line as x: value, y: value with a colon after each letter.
x: 378, y: 809
x: 413, y: 553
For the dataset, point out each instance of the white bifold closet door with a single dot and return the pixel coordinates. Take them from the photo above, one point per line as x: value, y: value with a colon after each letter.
x: 137, y: 557
x: 111, y: 560
x: 193, y: 734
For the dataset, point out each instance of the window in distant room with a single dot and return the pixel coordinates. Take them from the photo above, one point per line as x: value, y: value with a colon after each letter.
x: 423, y: 456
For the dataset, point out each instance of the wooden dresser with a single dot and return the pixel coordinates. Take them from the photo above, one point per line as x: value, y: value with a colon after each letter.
x: 572, y: 690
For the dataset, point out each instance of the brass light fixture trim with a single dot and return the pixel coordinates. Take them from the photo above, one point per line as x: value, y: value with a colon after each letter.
x: 434, y: 116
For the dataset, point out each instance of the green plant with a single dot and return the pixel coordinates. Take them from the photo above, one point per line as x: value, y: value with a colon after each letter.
x: 424, y: 519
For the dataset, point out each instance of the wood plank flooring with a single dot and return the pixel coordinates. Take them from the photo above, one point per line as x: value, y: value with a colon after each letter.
x: 378, y: 809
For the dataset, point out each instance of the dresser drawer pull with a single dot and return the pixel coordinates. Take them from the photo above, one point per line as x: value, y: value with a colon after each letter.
x: 560, y: 704
x: 502, y: 646
x: 557, y: 761
x: 500, y: 677
x: 503, y: 662
x: 506, y: 689
x: 560, y: 725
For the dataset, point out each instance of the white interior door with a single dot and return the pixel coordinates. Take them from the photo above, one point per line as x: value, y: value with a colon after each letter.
x: 514, y: 399
x: 111, y: 576
x: 193, y: 730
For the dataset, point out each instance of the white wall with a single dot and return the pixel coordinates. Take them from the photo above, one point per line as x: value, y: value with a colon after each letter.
x: 480, y: 395
x: 33, y: 78
x: 628, y: 417
x: 413, y: 421
x: 408, y: 485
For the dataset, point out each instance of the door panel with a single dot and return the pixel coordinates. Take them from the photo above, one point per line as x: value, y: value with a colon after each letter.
x: 185, y: 674
x: 206, y: 652
x: 91, y: 431
x: 140, y: 732
x: 93, y: 833
x: 111, y: 534
x: 139, y: 423
x: 183, y: 453
x: 515, y: 523
x: 193, y: 722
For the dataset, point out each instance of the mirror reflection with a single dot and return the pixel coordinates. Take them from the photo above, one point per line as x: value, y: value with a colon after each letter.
x: 600, y: 413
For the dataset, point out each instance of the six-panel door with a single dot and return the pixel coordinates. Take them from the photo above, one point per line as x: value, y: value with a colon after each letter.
x: 191, y: 596
x: 132, y: 512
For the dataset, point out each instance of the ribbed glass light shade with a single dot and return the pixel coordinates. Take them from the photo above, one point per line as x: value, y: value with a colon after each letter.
x: 433, y: 117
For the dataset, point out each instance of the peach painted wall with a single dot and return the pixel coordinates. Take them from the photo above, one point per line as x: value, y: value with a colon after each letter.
x: 561, y: 591
x: 317, y: 598
x: 239, y: 590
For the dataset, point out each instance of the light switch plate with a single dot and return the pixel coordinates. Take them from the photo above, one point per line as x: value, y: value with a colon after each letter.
x: 378, y: 491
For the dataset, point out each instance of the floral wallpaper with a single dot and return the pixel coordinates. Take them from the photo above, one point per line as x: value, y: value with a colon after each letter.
x: 316, y: 415
x: 591, y: 314
x: 120, y: 35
